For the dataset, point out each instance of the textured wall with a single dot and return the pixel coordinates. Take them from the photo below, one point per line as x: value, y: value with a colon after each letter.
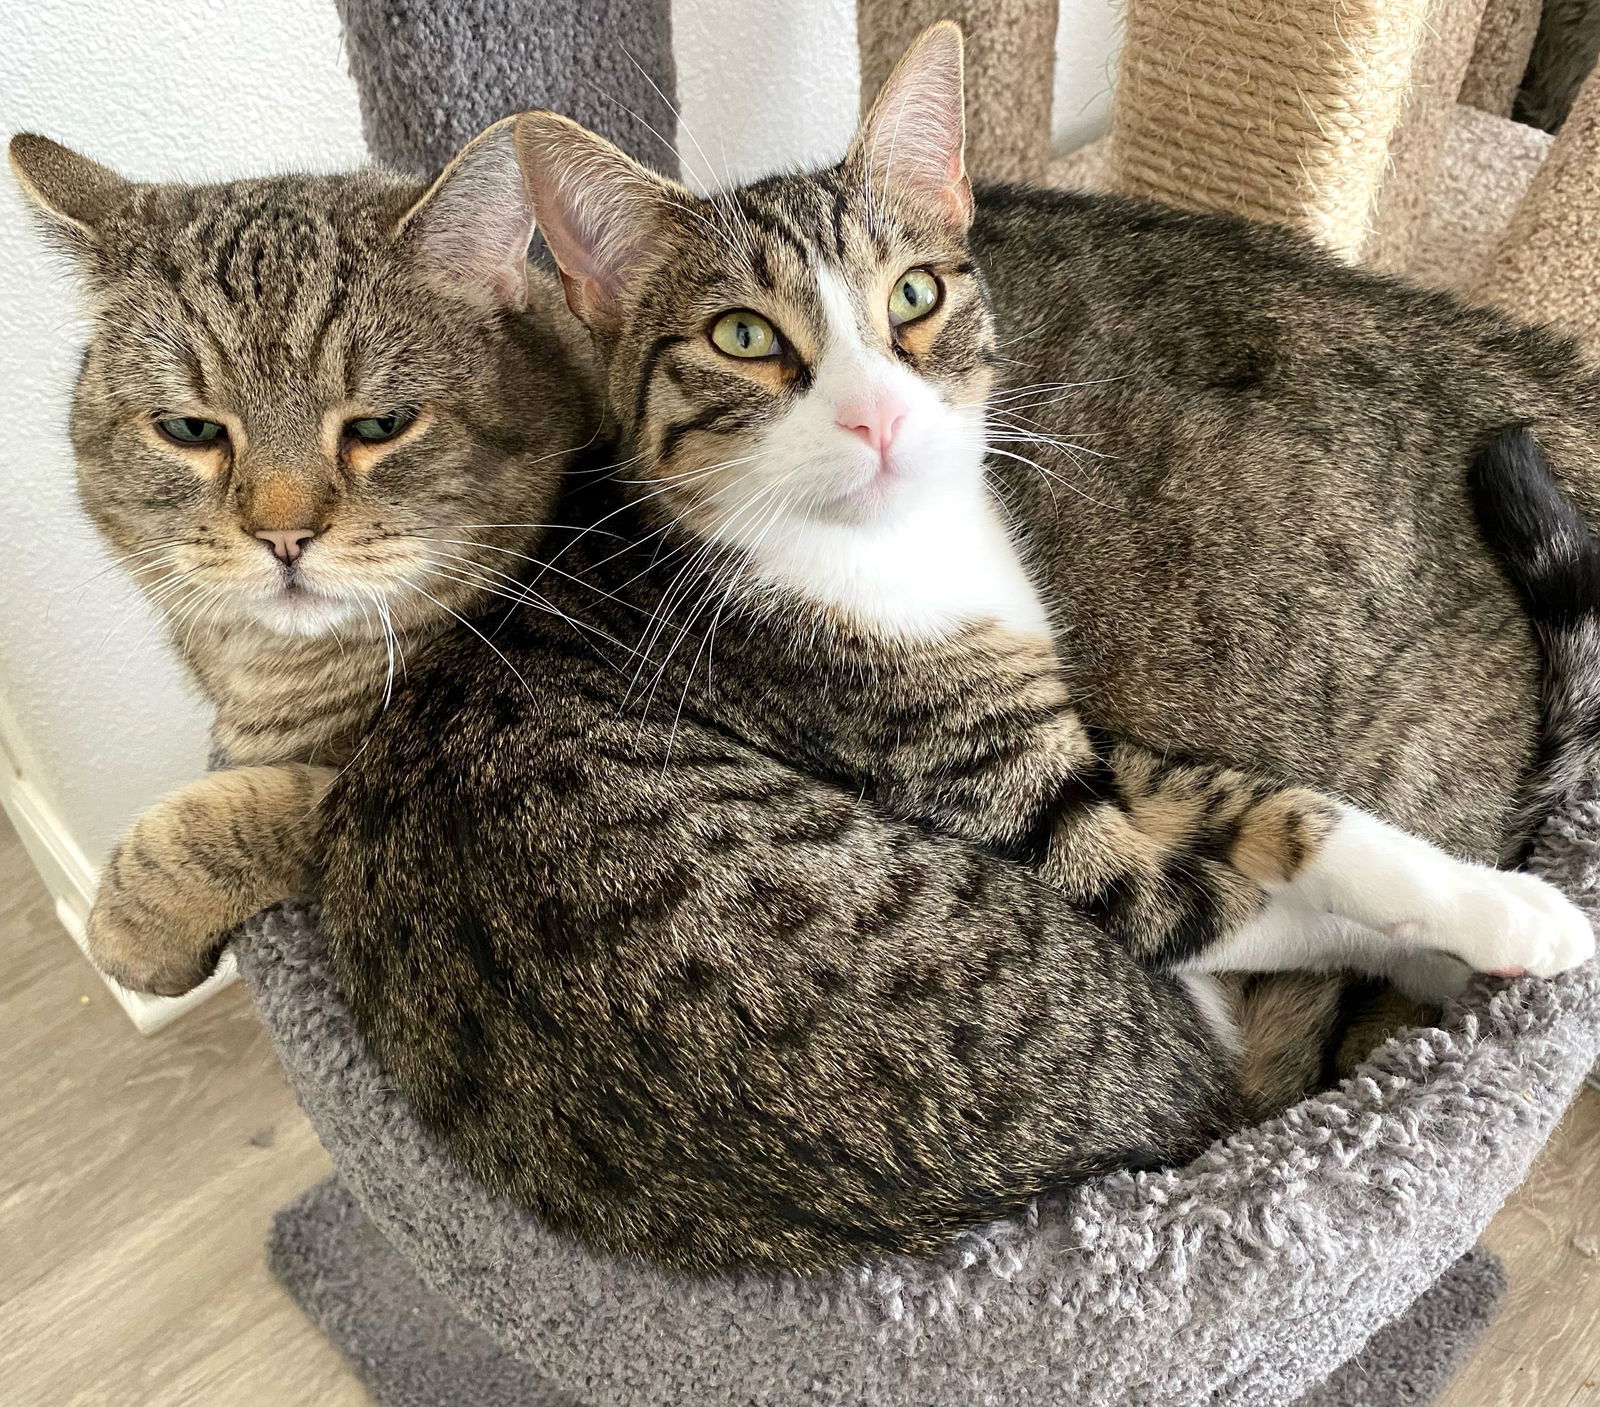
x: 762, y: 84
x: 765, y: 82
x: 159, y: 89
x: 198, y: 89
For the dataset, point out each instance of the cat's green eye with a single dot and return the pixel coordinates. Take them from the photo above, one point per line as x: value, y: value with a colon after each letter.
x: 914, y: 296
x: 745, y: 334
x: 375, y: 429
x: 191, y: 430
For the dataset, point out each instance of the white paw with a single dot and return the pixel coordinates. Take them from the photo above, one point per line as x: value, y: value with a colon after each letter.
x: 1510, y: 923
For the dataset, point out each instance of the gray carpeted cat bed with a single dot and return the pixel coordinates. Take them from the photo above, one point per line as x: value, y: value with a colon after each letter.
x: 1242, y: 1280
x: 412, y: 1349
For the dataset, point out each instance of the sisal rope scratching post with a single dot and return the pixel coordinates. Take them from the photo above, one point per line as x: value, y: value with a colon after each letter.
x: 1011, y: 59
x: 1505, y: 41
x: 1546, y: 267
x: 1278, y: 110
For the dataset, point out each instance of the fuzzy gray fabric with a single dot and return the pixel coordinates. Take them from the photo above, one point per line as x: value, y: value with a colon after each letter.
x: 1411, y: 1362
x: 412, y: 1349
x: 1243, y: 1279
x: 432, y: 74
x: 406, y: 1343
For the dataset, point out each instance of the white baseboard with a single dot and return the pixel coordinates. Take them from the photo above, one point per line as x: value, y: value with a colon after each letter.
x: 71, y: 880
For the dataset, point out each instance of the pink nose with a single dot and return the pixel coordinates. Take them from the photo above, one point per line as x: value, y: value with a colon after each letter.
x: 287, y: 543
x: 876, y: 422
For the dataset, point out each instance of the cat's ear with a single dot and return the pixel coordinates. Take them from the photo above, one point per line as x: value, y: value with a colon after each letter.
x: 74, y: 194
x: 911, y: 143
x: 599, y: 210
x: 472, y: 227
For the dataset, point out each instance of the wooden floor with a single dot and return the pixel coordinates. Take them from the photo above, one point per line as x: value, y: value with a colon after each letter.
x: 137, y: 1176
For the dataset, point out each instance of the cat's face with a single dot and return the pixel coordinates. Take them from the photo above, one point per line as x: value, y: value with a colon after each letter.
x: 299, y: 405
x: 805, y: 350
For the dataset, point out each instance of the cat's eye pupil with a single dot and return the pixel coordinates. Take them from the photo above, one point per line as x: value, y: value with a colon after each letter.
x: 374, y: 429
x: 914, y: 296
x: 745, y: 334
x: 191, y: 430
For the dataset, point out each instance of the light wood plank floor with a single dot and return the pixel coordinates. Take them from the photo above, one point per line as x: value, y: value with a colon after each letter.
x: 137, y: 1177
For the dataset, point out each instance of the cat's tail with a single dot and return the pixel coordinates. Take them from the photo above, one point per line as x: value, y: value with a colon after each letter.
x: 1552, y: 558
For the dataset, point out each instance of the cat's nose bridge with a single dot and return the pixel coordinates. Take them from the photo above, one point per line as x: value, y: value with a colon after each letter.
x: 285, y: 508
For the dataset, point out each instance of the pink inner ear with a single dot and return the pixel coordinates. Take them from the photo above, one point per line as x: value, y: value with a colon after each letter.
x: 914, y: 136
x: 597, y: 218
x: 475, y: 226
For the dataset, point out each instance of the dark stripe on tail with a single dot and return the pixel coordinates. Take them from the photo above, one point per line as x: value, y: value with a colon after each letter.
x: 1552, y: 558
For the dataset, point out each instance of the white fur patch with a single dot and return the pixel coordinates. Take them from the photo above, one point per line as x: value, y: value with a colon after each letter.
x: 1207, y: 995
x: 1376, y: 893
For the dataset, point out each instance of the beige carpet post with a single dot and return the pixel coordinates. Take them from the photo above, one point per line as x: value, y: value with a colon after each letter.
x: 1505, y: 40
x: 1279, y: 110
x: 1011, y: 60
x: 1400, y: 209
x: 1546, y: 267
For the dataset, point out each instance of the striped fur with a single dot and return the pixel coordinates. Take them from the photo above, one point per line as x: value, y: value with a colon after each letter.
x: 638, y: 946
x: 672, y: 949
x: 762, y: 459
x: 285, y: 309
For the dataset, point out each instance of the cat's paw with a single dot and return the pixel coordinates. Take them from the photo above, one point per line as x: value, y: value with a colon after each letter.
x: 1509, y: 923
x: 164, y: 964
x: 1421, y: 897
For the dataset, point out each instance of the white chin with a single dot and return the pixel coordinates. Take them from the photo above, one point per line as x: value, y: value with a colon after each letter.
x: 303, y: 613
x: 878, y: 494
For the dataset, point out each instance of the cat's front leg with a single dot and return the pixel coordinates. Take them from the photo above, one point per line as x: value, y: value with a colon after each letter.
x: 195, y: 866
x: 1370, y: 889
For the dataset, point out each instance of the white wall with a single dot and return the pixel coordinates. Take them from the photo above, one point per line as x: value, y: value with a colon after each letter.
x: 208, y: 89
x: 767, y: 83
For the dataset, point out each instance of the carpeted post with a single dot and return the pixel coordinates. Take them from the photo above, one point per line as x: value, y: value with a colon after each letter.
x: 1400, y: 207
x: 433, y: 73
x: 1010, y: 72
x: 1505, y: 40
x: 1281, y: 111
x: 1546, y: 267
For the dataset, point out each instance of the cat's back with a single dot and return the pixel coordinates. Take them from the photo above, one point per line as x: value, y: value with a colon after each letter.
x: 686, y: 1001
x: 1224, y: 304
x: 1243, y: 463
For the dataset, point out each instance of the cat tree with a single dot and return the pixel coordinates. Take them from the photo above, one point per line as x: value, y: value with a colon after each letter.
x: 1324, y: 1257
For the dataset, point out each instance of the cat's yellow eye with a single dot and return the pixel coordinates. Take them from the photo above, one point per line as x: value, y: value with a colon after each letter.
x: 191, y: 431
x: 745, y: 334
x: 375, y: 429
x: 914, y: 296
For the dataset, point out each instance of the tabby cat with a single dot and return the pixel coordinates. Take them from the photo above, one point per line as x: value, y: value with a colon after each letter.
x: 1234, y: 465
x: 319, y: 417
x: 1214, y: 365
x: 672, y: 949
